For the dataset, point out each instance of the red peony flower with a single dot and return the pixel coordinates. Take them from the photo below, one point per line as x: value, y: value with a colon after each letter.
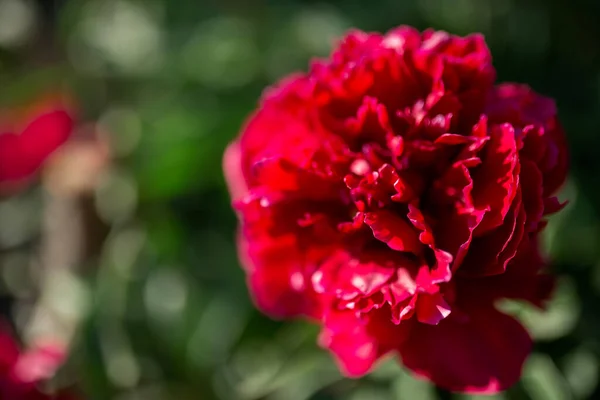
x: 20, y: 373
x: 28, y: 137
x: 393, y: 194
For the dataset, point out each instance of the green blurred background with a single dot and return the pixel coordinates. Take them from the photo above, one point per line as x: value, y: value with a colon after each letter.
x: 139, y: 269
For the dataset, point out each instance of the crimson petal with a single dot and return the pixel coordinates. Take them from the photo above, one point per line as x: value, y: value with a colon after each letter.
x: 481, y: 352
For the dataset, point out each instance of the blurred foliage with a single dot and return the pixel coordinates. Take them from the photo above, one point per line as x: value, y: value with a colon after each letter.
x: 166, y: 311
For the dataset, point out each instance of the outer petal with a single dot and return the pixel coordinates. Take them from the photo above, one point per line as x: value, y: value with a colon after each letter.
x: 533, y: 193
x: 283, y: 128
x: 523, y: 279
x: 278, y: 282
x: 520, y: 106
x: 479, y: 352
x: 232, y: 169
x: 358, y: 341
x: 273, y: 263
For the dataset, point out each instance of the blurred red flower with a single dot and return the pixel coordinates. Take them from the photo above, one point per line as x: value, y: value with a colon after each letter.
x: 393, y: 194
x: 29, y: 136
x: 21, y: 373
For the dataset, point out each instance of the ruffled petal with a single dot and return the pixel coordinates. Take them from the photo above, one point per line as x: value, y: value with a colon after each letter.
x: 393, y: 230
x: 497, y: 179
x: 491, y: 253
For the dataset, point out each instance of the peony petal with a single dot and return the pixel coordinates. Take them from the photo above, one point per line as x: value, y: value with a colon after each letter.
x: 371, y: 119
x: 496, y: 180
x: 432, y: 308
x: 345, y: 276
x: 519, y: 105
x: 358, y: 341
x: 553, y: 205
x: 232, y: 169
x: 278, y: 282
x: 532, y: 191
x: 544, y: 138
x: 481, y: 352
x: 281, y: 129
x: 279, y: 174
x: 392, y: 229
x: 441, y: 271
x: 455, y: 215
x: 523, y: 279
x: 489, y: 254
x: 555, y: 175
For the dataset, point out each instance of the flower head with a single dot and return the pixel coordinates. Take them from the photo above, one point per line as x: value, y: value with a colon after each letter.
x: 393, y: 193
